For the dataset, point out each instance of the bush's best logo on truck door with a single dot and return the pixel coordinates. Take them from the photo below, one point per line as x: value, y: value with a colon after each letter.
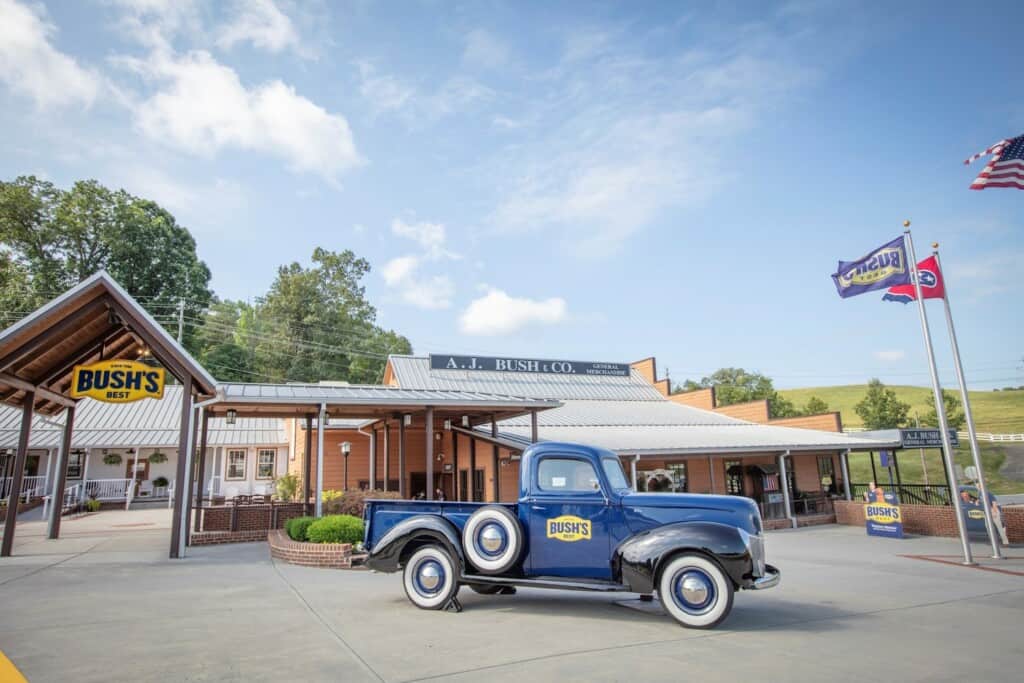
x: 569, y: 528
x: 117, y: 381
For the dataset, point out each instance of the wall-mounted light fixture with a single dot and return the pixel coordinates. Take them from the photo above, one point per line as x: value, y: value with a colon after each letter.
x: 346, y: 448
x: 447, y: 425
x: 231, y: 416
x: 465, y: 421
x: 407, y: 419
x: 440, y: 457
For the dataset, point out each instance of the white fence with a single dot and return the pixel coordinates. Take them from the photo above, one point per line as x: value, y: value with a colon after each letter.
x: 31, y: 487
x: 108, y: 489
x: 982, y: 436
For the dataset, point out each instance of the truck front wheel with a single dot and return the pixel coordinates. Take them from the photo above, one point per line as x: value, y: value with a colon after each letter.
x: 430, y: 578
x: 695, y: 591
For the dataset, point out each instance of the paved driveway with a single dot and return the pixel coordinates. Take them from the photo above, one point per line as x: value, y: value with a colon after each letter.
x: 102, y: 608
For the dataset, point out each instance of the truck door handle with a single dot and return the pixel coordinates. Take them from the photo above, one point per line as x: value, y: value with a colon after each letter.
x: 539, y: 508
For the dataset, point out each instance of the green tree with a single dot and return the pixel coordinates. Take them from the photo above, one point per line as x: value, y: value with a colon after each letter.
x: 52, y: 239
x: 815, y: 406
x: 736, y: 385
x: 880, y: 408
x: 954, y: 412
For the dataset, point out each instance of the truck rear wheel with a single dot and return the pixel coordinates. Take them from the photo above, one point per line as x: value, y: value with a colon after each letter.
x: 492, y: 539
x: 695, y: 591
x: 430, y: 578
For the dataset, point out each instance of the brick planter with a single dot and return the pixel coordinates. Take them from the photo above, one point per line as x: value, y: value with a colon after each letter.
x: 930, y: 520
x: 332, y: 555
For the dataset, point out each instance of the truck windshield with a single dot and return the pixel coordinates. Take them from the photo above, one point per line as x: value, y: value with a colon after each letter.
x: 613, y: 470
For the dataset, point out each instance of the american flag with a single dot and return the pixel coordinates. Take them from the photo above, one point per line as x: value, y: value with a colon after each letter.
x: 771, y: 482
x: 1005, y: 168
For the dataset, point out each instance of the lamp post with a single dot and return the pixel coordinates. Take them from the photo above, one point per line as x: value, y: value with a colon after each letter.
x: 346, y: 448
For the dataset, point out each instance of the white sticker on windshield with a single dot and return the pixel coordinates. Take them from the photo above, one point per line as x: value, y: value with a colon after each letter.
x: 558, y: 482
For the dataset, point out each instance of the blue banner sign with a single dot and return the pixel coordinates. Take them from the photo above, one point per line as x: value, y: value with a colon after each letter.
x: 883, y: 516
x: 881, y: 269
x: 533, y: 365
x: 926, y: 438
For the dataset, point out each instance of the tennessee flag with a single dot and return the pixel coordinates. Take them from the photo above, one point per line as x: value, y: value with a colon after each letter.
x: 932, y: 286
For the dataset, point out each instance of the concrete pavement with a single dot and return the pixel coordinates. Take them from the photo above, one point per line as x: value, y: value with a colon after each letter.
x: 102, y: 607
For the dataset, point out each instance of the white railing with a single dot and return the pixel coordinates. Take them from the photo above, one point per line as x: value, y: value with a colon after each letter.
x: 982, y: 436
x: 108, y: 489
x: 72, y: 496
x: 31, y: 487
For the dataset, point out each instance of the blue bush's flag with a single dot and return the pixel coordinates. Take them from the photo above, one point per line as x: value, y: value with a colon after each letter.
x: 881, y: 269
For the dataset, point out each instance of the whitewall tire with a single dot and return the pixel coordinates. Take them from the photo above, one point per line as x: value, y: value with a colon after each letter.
x: 492, y: 540
x: 430, y: 578
x: 695, y: 591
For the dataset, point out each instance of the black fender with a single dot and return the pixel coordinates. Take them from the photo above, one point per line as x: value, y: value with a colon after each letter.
x: 387, y: 553
x: 637, y: 559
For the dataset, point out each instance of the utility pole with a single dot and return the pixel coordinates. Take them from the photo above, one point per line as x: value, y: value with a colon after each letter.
x: 181, y: 318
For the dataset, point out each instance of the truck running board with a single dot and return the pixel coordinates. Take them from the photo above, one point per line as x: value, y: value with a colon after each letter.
x: 547, y: 582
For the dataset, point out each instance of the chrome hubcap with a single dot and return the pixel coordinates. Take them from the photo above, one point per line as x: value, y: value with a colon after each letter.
x: 694, y: 590
x: 430, y: 576
x: 491, y: 539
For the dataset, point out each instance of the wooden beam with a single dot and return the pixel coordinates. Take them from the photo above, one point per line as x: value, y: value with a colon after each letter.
x: 429, y: 454
x: 61, y: 476
x: 17, y: 476
x: 495, y: 465
x: 202, y: 467
x: 56, y: 331
x: 22, y: 385
x: 181, y: 482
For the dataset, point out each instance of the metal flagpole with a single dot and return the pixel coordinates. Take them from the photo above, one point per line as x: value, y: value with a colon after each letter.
x: 990, y: 525
x: 940, y: 408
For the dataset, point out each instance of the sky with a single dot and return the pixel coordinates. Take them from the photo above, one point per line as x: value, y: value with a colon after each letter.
x: 578, y: 180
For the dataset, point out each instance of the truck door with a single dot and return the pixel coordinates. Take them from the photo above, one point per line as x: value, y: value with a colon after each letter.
x: 569, y: 517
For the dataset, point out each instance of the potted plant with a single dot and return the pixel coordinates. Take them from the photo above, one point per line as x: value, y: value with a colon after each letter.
x: 92, y: 505
x: 112, y: 459
x: 160, y: 486
x: 157, y: 457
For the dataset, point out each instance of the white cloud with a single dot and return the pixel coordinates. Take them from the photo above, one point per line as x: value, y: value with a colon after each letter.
x: 498, y: 313
x: 893, y: 355
x: 485, y: 50
x: 201, y: 106
x: 155, y: 23
x: 430, y: 236
x: 387, y: 94
x: 262, y: 23
x: 31, y: 66
x: 430, y: 293
x: 384, y: 93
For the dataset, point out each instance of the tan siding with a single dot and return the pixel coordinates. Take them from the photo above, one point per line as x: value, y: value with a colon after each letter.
x: 647, y: 369
x: 754, y: 411
x: 701, y: 398
x: 826, y: 422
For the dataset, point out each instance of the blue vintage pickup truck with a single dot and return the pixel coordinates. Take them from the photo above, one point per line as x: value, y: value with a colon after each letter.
x: 578, y: 525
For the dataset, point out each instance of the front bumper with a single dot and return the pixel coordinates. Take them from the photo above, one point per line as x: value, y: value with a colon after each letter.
x: 771, y: 578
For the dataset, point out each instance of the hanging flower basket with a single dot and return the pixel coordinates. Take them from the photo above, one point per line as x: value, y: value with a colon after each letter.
x: 111, y: 459
x: 157, y: 457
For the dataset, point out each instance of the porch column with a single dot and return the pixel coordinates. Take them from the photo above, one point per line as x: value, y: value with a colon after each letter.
x: 494, y: 458
x: 373, y: 459
x: 181, y: 471
x: 18, y: 475
x: 83, y: 494
x: 189, y: 494
x: 307, y: 472
x: 471, y: 479
x: 401, y: 457
x: 533, y: 426
x: 387, y: 453
x: 632, y: 470
x: 844, y: 462
x: 455, y: 466
x: 429, y: 433
x: 201, y: 473
x: 318, y: 505
x: 784, y: 485
x: 711, y: 473
x: 134, y: 478
x: 60, y: 476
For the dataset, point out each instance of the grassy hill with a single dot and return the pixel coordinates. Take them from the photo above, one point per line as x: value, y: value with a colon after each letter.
x: 999, y: 412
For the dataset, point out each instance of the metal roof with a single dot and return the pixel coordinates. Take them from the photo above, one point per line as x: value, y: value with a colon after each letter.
x: 621, y: 413
x: 359, y: 394
x: 667, y: 440
x: 143, y: 423
x: 413, y: 372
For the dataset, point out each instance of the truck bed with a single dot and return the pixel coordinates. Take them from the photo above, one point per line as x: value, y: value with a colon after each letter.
x: 381, y: 515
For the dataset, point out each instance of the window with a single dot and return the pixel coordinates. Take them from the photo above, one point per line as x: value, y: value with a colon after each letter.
x: 76, y: 459
x: 265, y: 459
x: 567, y: 475
x: 613, y: 470
x: 733, y: 477
x: 677, y: 472
x: 235, y: 465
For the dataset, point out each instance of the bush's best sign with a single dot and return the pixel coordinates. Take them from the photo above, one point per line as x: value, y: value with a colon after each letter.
x: 535, y: 365
x: 117, y: 381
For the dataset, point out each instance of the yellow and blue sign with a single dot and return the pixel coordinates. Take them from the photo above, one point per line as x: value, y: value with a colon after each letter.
x: 884, y: 267
x: 569, y: 528
x: 884, y: 517
x: 117, y: 381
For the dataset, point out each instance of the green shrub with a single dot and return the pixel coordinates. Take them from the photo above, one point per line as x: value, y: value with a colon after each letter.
x: 297, y: 527
x: 336, y: 529
x: 287, y: 487
x: 92, y: 505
